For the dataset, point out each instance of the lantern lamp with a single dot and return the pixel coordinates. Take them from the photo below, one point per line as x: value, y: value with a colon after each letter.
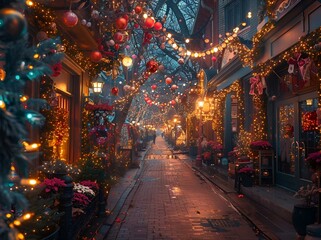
x: 98, y: 85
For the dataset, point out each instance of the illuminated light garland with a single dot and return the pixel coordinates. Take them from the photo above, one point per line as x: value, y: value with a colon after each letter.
x: 46, y: 20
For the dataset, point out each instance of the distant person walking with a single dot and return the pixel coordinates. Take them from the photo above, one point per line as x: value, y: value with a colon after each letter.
x: 154, y: 137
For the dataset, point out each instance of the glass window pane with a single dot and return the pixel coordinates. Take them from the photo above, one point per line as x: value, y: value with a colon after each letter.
x: 286, y: 151
x: 309, y: 134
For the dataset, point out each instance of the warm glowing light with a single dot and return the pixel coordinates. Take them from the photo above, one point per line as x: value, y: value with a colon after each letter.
x: 2, y: 104
x: 127, y: 61
x: 249, y: 14
x: 29, y: 3
x: 188, y: 53
x: 23, y: 98
x: 309, y: 102
x: 36, y: 55
x: 26, y: 216
x: 145, y: 15
x: 187, y: 40
x: 98, y: 85
x: 215, y: 49
x: 17, y: 222
x: 200, y: 104
x: 169, y: 35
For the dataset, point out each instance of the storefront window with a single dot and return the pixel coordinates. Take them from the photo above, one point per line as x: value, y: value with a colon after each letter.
x: 286, y: 153
x: 309, y: 133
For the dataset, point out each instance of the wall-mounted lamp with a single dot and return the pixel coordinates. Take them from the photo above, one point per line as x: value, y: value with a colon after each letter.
x: 97, y: 85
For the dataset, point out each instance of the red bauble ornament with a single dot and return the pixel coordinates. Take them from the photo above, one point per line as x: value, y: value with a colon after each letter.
x: 158, y: 26
x: 121, y: 23
x: 154, y: 86
x: 136, y: 25
x: 168, y: 80
x: 115, y: 91
x: 149, y: 22
x: 70, y: 19
x: 173, y: 102
x: 118, y: 37
x: 152, y: 66
x: 138, y: 9
x: 214, y: 59
x: 146, y: 99
x: 117, y: 46
x: 148, y: 36
x: 126, y: 17
x: 174, y: 87
x: 95, y: 56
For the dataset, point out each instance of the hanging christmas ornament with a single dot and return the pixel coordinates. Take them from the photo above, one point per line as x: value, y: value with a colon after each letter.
x: 88, y: 24
x: 152, y: 66
x: 161, y: 67
x: 41, y: 36
x: 126, y: 88
x: 214, y: 59
x: 134, y: 56
x: 138, y: 9
x: 168, y: 80
x: 181, y: 61
x: 95, y: 14
x: 136, y: 25
x: 111, y: 42
x: 154, y: 87
x: 121, y: 23
x: 13, y: 25
x: 70, y: 19
x: 173, y: 102
x: 118, y: 37
x: 83, y: 22
x: 132, y: 88
x: 174, y: 87
x: 117, y: 46
x: 149, y: 22
x: 95, y: 56
x: 158, y: 26
x: 115, y: 91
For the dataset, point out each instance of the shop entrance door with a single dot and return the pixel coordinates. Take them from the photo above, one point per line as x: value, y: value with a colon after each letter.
x: 297, y: 136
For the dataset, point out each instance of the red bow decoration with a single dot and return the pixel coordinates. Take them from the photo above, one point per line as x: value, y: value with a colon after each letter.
x: 256, y: 86
x: 56, y: 69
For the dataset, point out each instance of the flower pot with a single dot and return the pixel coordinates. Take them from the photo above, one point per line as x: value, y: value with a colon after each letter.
x: 53, y: 235
x: 302, y: 216
x: 246, y: 179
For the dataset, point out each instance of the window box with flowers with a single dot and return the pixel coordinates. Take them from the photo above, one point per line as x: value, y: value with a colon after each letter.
x: 246, y: 176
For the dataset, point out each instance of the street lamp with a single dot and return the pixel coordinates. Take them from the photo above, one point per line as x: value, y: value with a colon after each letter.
x: 175, y: 121
x: 198, y: 163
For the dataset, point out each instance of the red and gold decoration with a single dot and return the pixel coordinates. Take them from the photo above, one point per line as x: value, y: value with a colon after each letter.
x: 70, y: 19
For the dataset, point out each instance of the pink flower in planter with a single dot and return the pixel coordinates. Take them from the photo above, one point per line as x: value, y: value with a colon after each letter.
x: 314, y: 161
x: 90, y: 184
x: 247, y: 170
x: 52, y: 185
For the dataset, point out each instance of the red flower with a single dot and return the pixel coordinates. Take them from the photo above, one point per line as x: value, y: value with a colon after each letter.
x: 90, y: 184
x: 53, y: 185
x: 207, y: 155
x: 56, y: 69
x: 314, y: 160
x: 80, y: 199
x: 261, y: 144
x: 247, y: 170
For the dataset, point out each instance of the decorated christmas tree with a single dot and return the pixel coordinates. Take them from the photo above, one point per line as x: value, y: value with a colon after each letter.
x: 20, y: 63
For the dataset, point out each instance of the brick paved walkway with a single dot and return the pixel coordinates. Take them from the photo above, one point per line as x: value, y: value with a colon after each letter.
x: 170, y: 201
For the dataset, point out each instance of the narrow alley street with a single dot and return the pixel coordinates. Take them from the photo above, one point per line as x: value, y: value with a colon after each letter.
x: 170, y: 201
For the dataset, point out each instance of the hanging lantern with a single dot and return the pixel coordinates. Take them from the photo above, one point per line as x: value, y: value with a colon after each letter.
x: 121, y: 23
x: 70, y: 19
x: 168, y: 80
x: 115, y: 91
x: 152, y: 66
x: 158, y: 26
x: 95, y: 56
x: 149, y: 22
x: 127, y: 61
x: 154, y: 87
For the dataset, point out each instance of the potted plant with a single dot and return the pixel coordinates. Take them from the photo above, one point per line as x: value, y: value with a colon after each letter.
x: 304, y: 213
x: 245, y: 176
x: 260, y: 145
x: 44, y: 201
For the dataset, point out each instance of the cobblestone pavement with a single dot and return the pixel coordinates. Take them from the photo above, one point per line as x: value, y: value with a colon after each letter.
x: 170, y: 201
